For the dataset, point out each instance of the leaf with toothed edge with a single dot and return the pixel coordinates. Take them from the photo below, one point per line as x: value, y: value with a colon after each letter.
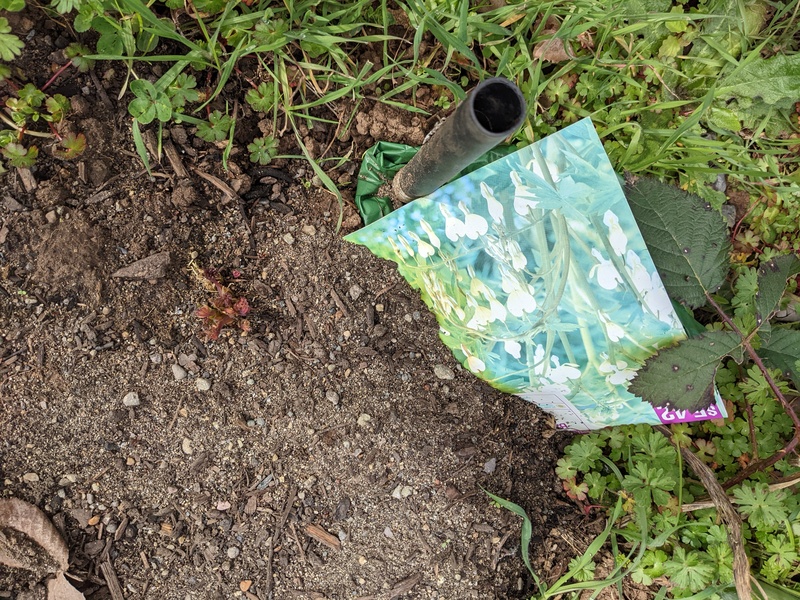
x: 682, y: 377
x: 772, y: 276
x: 686, y: 237
x: 782, y: 351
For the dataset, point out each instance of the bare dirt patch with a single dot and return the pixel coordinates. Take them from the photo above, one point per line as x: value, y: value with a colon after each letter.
x: 337, y: 450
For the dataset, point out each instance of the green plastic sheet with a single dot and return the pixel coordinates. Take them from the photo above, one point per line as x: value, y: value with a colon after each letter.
x: 382, y: 162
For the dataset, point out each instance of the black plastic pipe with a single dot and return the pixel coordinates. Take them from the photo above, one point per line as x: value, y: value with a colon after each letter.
x: 491, y: 112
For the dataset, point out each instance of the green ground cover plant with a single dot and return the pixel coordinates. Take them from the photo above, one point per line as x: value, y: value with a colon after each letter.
x: 700, y: 93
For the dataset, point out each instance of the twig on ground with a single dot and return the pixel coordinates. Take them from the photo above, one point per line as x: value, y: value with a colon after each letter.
x: 726, y: 511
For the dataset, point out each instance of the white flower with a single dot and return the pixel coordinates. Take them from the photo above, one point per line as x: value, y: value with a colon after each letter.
x: 474, y: 225
x: 607, y: 275
x: 495, y: 208
x: 649, y: 286
x: 520, y: 302
x: 454, y: 228
x: 558, y: 373
x: 618, y: 373
x: 484, y: 315
x: 424, y: 248
x: 617, y: 237
x: 474, y: 364
x: 615, y: 332
x: 481, y: 318
x: 513, y: 348
x: 426, y: 227
x: 562, y: 373
x: 525, y: 198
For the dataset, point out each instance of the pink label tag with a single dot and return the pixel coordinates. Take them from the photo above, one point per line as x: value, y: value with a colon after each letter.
x: 668, y: 415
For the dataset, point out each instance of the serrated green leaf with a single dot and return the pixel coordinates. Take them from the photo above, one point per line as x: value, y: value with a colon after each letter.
x: 764, y: 508
x: 772, y: 276
x: 770, y: 80
x: 782, y: 351
x: 692, y: 571
x: 682, y: 377
x: 19, y: 156
x: 10, y: 44
x: 686, y: 238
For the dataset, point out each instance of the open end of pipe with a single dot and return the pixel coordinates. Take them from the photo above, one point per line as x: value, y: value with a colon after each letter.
x: 499, y: 107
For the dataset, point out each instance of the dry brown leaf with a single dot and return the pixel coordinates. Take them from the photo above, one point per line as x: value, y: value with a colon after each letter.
x: 58, y: 588
x: 25, y: 519
x: 552, y: 50
x: 28, y: 520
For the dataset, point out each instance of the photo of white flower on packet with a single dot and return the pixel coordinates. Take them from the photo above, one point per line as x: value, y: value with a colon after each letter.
x: 540, y: 280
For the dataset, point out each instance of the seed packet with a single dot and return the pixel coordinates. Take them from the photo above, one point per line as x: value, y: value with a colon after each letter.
x: 540, y: 280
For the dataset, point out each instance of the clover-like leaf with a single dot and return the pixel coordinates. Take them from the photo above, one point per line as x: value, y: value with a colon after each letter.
x: 77, y: 54
x: 263, y: 149
x: 686, y: 237
x: 262, y: 98
x: 182, y: 90
x: 682, y: 377
x: 149, y: 104
x: 216, y: 128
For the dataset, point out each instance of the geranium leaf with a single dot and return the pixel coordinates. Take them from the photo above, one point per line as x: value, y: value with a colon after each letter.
x: 686, y: 237
x: 682, y: 377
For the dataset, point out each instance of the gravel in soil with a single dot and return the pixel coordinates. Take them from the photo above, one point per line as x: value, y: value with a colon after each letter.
x: 335, y: 450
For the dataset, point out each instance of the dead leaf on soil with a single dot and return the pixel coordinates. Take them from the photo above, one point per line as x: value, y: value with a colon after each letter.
x: 58, y: 588
x: 552, y: 49
x: 29, y: 521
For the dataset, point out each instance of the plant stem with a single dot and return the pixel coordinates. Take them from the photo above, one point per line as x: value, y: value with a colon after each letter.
x: 22, y: 130
x: 789, y: 447
x: 55, y: 75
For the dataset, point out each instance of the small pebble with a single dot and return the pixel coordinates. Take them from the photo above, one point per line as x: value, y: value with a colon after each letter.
x: 186, y: 446
x: 178, y: 372
x: 443, y: 372
x: 288, y: 238
x: 203, y: 385
x: 309, y: 230
x: 402, y: 491
x: 233, y: 552
x: 332, y: 397
x: 355, y: 291
x: 490, y: 465
x: 388, y: 533
x: 155, y: 358
x: 363, y: 420
x: 131, y: 399
x: 30, y: 477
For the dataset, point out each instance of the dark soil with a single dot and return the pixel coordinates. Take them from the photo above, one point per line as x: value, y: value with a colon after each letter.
x: 326, y: 459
